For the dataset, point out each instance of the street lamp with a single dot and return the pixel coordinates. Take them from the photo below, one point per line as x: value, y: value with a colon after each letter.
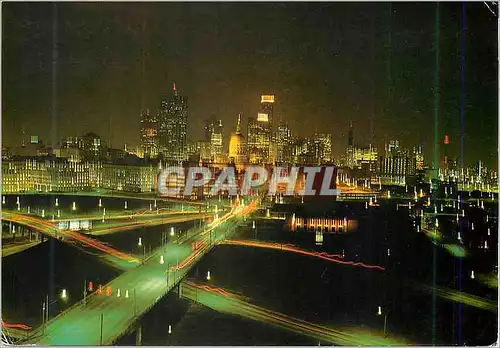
x: 64, y: 295
x: 143, y: 249
x: 172, y: 231
x: 208, y: 275
x: 385, y: 318
x: 161, y: 260
x: 74, y: 206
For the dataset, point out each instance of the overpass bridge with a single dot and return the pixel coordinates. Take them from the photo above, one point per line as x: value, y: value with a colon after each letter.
x: 99, y: 319
x: 231, y: 303
x: 112, y: 194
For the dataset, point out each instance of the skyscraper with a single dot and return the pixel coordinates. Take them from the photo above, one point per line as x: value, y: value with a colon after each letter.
x: 419, y: 157
x: 214, y: 136
x: 350, y: 147
x: 172, y: 127
x: 267, y: 107
x: 149, y: 134
x: 396, y: 164
x: 260, y: 132
x: 259, y: 139
x: 283, y: 141
x: 322, y: 147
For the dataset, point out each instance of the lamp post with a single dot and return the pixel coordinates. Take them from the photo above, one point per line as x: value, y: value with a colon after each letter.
x: 46, y: 304
x: 102, y: 321
x: 385, y: 318
x: 143, y: 249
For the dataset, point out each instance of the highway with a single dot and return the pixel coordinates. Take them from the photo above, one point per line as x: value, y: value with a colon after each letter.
x: 458, y: 296
x: 139, y: 288
x: 226, y: 302
x: 14, y: 248
x: 110, y: 255
x: 113, y: 194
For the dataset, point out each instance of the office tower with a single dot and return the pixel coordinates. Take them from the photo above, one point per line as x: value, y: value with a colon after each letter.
x: 322, y: 143
x: 419, y: 157
x: 91, y: 147
x: 396, y: 164
x: 283, y: 141
x: 259, y: 139
x: 216, y: 140
x: 149, y: 134
x: 260, y: 133
x: 366, y: 159
x: 172, y: 127
x: 214, y: 135
x: 350, y: 147
x: 267, y: 108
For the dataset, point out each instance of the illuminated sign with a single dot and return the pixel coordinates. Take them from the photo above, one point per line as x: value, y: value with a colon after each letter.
x: 261, y: 117
x: 34, y: 139
x: 267, y: 99
x: 74, y: 225
x: 63, y: 225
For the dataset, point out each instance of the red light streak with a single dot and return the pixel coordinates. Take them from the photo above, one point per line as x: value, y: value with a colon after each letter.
x: 211, y: 289
x: 291, y: 248
x: 16, y: 326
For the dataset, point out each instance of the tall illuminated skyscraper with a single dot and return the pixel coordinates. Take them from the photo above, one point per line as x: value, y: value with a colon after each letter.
x: 259, y: 139
x: 419, y: 157
x: 149, y: 134
x: 172, y: 127
x: 350, y: 147
x: 322, y: 147
x: 267, y: 107
x: 260, y: 132
x: 396, y: 164
x: 213, y: 134
x: 283, y: 141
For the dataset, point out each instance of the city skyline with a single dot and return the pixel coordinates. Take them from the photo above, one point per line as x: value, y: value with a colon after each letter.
x: 128, y: 61
x: 250, y: 174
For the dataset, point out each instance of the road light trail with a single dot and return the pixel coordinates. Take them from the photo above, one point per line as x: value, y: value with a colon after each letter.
x: 126, y: 226
x: 291, y: 248
x: 223, y: 301
x: 80, y: 324
x: 51, y: 230
x: 457, y: 296
x: 133, y: 215
x: 16, y: 326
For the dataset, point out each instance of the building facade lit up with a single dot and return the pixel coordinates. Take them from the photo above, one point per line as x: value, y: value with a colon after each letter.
x: 172, y: 128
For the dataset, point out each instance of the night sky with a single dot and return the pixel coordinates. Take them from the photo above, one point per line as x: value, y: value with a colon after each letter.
x: 327, y: 64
